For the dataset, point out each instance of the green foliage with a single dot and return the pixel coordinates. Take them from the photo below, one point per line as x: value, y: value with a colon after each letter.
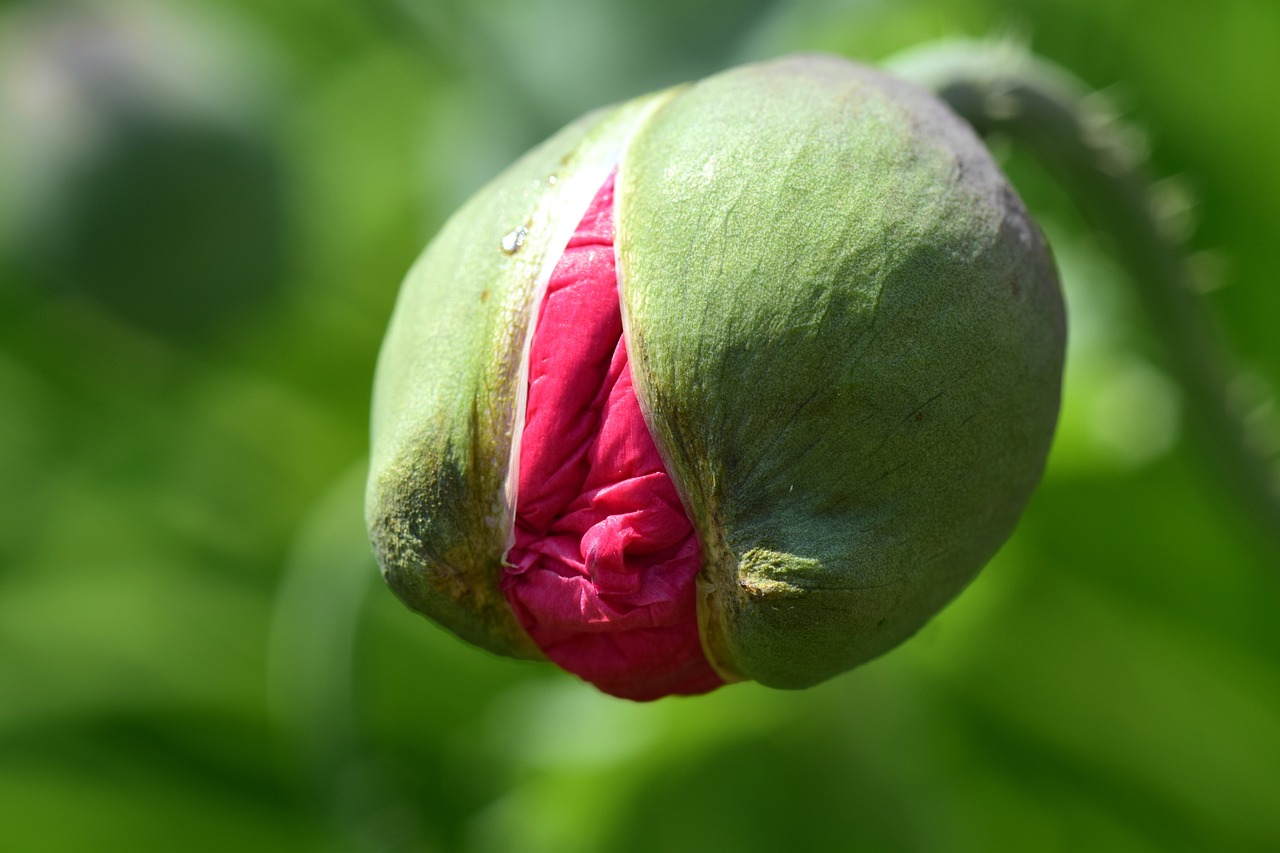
x: 195, y: 653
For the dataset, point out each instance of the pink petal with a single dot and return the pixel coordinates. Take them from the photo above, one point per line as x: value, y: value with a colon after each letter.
x: 602, y: 574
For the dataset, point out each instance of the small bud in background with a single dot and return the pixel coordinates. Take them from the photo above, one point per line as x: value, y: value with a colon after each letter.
x: 142, y: 177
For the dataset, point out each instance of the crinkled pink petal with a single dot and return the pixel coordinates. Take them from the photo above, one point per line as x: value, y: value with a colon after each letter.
x: 602, y: 573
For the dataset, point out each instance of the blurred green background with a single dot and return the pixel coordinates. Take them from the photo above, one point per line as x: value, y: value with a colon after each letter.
x: 205, y: 211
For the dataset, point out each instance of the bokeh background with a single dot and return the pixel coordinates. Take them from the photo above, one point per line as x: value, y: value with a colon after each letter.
x: 205, y: 212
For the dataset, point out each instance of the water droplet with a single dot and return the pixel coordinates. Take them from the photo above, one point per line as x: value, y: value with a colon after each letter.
x: 551, y: 180
x: 514, y: 240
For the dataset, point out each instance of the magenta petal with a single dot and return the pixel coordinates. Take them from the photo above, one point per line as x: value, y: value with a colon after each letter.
x: 603, y: 571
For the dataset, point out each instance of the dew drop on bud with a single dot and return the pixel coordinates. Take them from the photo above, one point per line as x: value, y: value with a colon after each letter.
x: 514, y: 239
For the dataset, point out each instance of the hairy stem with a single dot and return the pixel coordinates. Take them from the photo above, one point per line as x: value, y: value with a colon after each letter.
x: 999, y: 88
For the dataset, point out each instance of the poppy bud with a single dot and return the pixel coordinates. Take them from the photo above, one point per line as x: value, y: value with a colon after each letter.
x: 741, y: 380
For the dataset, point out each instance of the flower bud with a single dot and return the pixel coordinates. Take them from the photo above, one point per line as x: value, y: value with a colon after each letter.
x: 839, y: 344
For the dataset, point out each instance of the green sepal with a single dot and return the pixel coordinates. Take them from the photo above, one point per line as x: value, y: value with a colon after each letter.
x: 847, y: 337
x: 449, y: 389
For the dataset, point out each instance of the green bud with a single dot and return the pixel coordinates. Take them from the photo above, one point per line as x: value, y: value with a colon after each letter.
x: 845, y: 333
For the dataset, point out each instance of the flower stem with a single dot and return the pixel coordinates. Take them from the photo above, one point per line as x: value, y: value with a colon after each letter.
x: 1000, y: 88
